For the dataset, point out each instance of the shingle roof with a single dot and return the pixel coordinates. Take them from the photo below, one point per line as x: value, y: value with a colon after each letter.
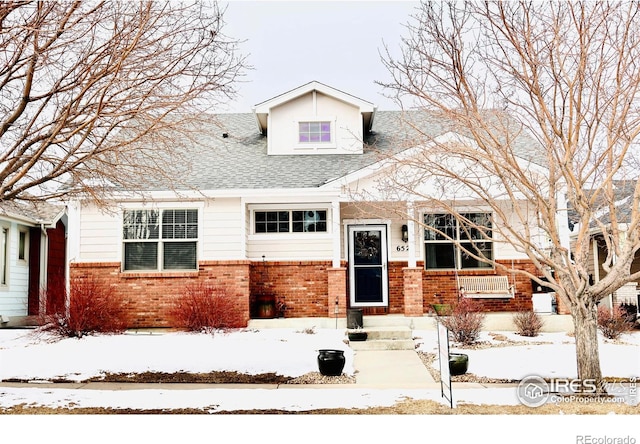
x: 240, y: 160
x: 35, y: 212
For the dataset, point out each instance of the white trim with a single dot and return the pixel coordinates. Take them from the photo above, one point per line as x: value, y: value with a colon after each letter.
x: 384, y: 243
x: 376, y: 167
x: 5, y: 255
x: 160, y: 241
x: 411, y: 242
x: 315, y: 146
x: 457, y: 250
x: 325, y: 206
x: 265, y: 106
x: 335, y: 230
x: 244, y: 229
x: 24, y: 261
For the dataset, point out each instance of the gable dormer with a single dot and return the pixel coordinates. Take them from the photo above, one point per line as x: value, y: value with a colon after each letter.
x: 314, y: 119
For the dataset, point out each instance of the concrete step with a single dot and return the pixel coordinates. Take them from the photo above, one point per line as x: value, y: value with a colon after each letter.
x: 388, y: 333
x: 383, y: 344
x: 385, y: 338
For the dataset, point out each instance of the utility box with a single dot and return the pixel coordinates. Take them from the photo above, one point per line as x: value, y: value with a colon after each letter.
x: 542, y: 302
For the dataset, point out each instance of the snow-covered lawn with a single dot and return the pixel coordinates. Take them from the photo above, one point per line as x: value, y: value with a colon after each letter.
x: 28, y: 355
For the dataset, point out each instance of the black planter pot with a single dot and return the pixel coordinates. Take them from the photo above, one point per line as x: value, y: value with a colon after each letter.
x: 331, y: 362
x: 458, y: 363
x: 357, y: 335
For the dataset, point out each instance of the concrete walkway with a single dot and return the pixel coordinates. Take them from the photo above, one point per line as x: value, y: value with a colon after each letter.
x: 391, y: 369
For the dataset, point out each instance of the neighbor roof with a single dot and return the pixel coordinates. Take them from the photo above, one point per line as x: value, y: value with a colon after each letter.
x: 32, y: 212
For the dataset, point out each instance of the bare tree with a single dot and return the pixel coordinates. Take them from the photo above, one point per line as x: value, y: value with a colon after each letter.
x: 564, y: 75
x: 96, y: 94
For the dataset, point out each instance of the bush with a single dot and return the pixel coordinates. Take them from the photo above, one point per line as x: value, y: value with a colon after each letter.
x: 528, y: 323
x: 612, y: 323
x: 631, y: 311
x: 93, y: 308
x: 465, y: 321
x: 204, y: 307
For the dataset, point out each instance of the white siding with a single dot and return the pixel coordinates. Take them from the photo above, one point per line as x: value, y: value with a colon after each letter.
x: 346, y: 121
x: 100, y: 235
x: 289, y: 246
x: 14, y: 295
x: 221, y: 230
x: 376, y: 213
x: 305, y: 246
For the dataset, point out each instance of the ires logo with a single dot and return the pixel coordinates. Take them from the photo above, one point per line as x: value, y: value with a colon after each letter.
x: 534, y: 391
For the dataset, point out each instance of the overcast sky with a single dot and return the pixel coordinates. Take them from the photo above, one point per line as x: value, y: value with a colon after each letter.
x: 337, y: 43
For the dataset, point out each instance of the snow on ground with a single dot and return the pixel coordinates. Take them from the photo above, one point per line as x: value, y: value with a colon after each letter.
x: 550, y: 355
x: 26, y: 355
x: 29, y: 355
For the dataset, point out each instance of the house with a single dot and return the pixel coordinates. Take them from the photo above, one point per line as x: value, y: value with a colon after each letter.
x: 623, y: 193
x: 32, y: 260
x: 270, y: 208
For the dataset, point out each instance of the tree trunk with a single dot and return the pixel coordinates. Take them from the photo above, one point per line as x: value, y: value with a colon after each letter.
x: 585, y: 320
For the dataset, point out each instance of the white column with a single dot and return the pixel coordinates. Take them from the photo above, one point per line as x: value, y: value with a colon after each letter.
x: 336, y: 232
x: 412, y: 241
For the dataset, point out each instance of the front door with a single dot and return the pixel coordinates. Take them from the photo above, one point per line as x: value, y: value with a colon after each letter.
x: 368, y: 265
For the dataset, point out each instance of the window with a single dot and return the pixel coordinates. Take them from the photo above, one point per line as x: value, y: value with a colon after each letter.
x: 314, y: 132
x: 447, y: 240
x: 160, y: 239
x: 290, y: 221
x: 4, y: 247
x: 23, y: 245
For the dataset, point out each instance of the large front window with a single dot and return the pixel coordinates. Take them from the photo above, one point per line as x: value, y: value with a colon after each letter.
x: 458, y: 243
x: 160, y: 239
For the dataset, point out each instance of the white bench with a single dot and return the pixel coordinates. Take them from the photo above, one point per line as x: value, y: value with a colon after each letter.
x: 485, y: 287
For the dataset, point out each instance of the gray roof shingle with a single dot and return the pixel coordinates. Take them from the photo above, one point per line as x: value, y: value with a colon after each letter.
x: 240, y: 160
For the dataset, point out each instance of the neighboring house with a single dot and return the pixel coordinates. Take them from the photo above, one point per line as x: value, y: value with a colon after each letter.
x: 269, y: 209
x: 623, y: 194
x: 32, y: 259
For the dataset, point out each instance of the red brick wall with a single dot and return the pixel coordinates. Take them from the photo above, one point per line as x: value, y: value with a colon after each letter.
x: 148, y: 297
x: 304, y: 286
x: 301, y: 285
x: 413, y: 294
x: 441, y: 287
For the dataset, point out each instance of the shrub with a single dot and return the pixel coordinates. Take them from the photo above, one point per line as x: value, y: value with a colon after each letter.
x: 93, y: 308
x: 465, y: 321
x: 613, y: 322
x: 204, y: 307
x: 528, y: 323
x: 631, y: 311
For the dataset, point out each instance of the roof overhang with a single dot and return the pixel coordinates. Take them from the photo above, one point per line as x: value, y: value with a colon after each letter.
x: 262, y: 110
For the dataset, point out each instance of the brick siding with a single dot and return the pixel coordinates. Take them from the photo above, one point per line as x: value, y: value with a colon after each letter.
x: 308, y: 288
x: 149, y: 297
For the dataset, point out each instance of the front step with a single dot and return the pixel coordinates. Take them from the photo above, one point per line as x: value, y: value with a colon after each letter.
x: 385, y: 338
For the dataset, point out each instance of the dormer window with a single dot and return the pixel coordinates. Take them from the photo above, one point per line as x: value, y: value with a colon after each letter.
x: 314, y: 132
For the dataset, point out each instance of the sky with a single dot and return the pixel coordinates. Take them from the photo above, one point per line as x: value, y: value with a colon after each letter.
x: 338, y: 43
